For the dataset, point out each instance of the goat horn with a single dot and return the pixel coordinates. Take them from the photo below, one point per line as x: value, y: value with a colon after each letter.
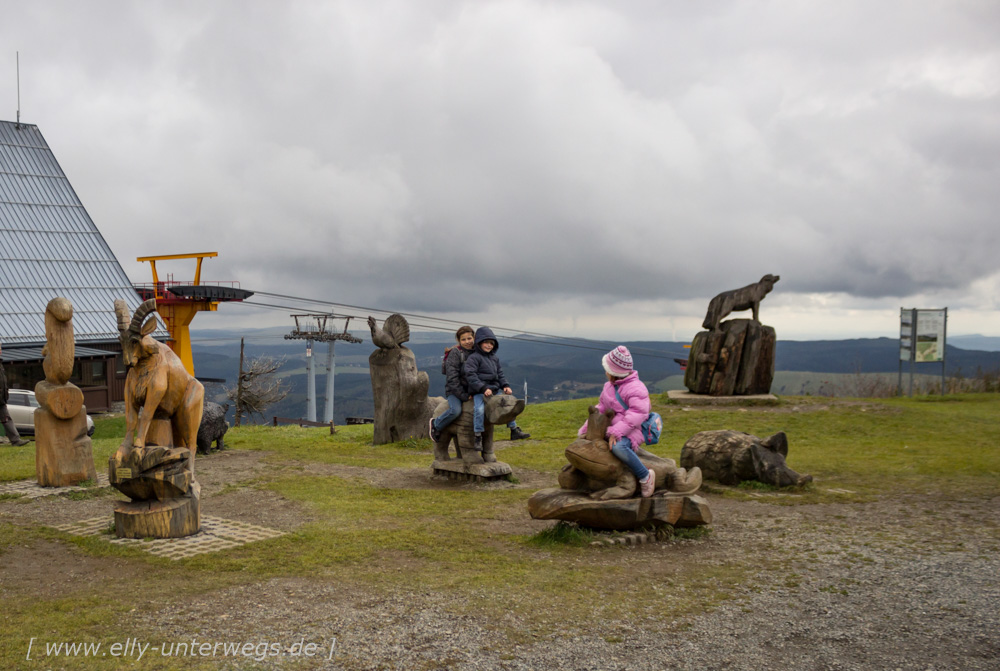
x: 140, y: 315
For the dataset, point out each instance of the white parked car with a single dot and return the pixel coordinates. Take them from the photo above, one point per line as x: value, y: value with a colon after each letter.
x: 22, y: 404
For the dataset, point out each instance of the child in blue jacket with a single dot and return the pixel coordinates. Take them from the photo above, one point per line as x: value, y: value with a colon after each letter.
x: 484, y: 375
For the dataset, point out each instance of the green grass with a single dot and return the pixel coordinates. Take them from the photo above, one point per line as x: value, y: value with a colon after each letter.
x: 884, y: 447
x: 475, y: 544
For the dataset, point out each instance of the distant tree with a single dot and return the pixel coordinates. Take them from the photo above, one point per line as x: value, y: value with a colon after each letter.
x: 257, y: 387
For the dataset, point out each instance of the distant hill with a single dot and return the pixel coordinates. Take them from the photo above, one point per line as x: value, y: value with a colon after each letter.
x: 976, y: 342
x: 552, y: 371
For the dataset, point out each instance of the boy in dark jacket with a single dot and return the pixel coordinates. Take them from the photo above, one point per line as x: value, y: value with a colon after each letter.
x: 455, y: 388
x: 484, y: 376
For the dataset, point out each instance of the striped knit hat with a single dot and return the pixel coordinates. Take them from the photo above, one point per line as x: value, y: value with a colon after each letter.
x: 618, y: 362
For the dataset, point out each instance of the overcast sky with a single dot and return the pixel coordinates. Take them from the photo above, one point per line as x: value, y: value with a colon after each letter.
x: 596, y: 169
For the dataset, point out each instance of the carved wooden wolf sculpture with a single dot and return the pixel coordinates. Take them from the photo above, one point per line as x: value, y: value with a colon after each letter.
x: 157, y: 382
x: 746, y: 298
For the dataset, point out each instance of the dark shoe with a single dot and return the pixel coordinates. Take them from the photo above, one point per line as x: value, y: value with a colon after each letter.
x: 517, y: 434
x: 479, y: 442
x: 21, y: 442
x: 435, y: 434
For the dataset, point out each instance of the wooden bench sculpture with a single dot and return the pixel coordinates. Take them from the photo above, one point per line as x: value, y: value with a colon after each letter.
x: 63, y: 454
x: 471, y: 464
x: 597, y: 490
x: 734, y: 357
x: 731, y: 457
x: 154, y: 466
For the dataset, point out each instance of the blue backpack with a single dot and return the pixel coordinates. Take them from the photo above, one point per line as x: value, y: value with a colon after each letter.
x: 651, y: 428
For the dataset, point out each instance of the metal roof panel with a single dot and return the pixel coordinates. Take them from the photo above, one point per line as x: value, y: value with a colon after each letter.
x: 49, y: 246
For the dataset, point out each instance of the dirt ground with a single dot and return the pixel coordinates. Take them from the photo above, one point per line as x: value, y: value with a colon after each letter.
x: 891, y: 584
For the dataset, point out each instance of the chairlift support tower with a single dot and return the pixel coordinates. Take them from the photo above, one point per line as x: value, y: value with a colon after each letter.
x: 313, y: 327
x: 178, y: 302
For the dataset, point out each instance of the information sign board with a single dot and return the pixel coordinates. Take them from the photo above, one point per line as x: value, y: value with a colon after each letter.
x: 930, y: 334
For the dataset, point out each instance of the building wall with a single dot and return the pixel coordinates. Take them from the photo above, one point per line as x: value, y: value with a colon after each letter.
x: 99, y: 379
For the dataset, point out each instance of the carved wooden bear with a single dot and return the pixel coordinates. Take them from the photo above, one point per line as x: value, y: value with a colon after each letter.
x: 213, y: 427
x: 593, y: 468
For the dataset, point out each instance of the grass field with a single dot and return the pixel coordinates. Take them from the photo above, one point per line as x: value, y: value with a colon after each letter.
x: 477, y: 543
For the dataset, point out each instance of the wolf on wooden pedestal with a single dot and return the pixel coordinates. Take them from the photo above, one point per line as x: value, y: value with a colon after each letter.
x: 154, y: 466
x: 734, y: 357
x: 597, y: 490
x: 63, y: 454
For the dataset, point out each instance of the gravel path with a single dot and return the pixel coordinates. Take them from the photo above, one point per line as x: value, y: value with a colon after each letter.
x: 901, y: 584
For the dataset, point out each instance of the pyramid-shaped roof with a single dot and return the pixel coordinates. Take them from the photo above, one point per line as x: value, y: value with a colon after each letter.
x: 49, y: 247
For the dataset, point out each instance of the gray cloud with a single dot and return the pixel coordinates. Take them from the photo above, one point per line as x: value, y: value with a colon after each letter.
x: 448, y: 156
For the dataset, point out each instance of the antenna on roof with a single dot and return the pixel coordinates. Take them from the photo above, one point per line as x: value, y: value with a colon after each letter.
x: 18, y: 124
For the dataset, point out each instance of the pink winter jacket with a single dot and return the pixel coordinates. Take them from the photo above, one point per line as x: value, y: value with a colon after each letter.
x: 625, y: 423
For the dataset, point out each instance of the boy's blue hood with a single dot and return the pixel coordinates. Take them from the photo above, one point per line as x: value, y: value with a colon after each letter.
x: 484, y: 333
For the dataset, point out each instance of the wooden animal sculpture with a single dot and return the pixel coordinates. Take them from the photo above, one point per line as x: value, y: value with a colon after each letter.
x: 593, y: 468
x: 399, y: 389
x: 154, y: 465
x: 746, y: 298
x: 157, y: 385
x: 213, y: 427
x: 394, y: 332
x: 597, y: 490
x: 732, y: 456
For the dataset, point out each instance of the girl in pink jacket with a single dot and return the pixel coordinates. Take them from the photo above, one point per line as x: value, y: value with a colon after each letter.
x: 625, y: 393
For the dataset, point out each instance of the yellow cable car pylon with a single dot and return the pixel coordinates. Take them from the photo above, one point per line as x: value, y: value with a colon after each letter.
x: 178, y: 302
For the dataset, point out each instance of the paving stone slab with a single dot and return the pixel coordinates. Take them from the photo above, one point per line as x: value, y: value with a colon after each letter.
x: 216, y: 534
x: 32, y: 490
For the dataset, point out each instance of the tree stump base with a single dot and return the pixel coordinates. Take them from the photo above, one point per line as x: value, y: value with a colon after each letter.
x: 165, y: 496
x: 63, y: 453
x: 173, y: 518
x: 736, y: 359
x: 663, y: 508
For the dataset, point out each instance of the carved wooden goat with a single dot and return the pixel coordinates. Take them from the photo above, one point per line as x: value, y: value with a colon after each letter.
x: 157, y: 383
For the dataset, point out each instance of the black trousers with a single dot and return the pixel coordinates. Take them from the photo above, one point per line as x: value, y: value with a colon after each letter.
x: 8, y: 425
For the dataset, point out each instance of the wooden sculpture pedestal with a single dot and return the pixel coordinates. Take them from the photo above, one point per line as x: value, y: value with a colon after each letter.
x: 166, y: 500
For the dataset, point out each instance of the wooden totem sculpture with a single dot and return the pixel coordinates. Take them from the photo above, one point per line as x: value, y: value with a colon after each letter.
x: 734, y: 357
x: 402, y: 409
x: 597, y: 490
x: 63, y: 455
x: 154, y: 466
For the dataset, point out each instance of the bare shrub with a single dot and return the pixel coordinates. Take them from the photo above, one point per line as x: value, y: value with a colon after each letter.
x: 258, y: 388
x: 866, y: 385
